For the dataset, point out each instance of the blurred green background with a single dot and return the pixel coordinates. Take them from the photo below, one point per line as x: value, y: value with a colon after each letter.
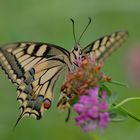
x: 48, y: 21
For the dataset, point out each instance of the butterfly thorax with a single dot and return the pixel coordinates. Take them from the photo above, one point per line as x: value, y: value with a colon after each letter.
x: 75, y: 54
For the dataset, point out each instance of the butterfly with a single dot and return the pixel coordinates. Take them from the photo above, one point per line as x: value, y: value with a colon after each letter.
x: 35, y: 67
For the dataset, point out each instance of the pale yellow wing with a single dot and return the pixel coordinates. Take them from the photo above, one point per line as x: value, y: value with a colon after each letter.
x: 103, y: 47
x: 18, y: 58
x: 36, y: 92
x: 34, y: 68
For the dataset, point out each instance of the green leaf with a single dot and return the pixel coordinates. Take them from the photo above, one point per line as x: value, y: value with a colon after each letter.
x: 74, y: 100
x: 105, y: 88
x: 117, y: 115
x: 112, y: 98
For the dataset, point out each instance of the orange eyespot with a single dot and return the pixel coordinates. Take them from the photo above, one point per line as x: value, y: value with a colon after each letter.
x: 47, y: 104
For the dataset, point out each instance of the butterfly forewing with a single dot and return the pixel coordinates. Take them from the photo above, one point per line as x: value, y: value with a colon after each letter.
x: 103, y: 47
x: 18, y: 58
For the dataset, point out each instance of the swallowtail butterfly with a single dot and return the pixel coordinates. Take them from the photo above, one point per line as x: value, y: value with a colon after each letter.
x: 35, y: 67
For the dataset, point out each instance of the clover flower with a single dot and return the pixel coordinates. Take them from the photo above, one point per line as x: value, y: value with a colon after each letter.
x: 87, y: 75
x: 84, y: 89
x: 92, y: 110
x: 81, y: 90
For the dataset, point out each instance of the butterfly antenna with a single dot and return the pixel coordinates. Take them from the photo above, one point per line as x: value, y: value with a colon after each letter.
x: 84, y: 29
x: 73, y: 26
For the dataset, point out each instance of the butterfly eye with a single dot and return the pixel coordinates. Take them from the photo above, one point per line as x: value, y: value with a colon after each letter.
x: 76, y: 48
x: 80, y: 52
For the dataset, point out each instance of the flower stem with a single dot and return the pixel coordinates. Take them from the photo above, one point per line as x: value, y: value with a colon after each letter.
x: 126, y: 100
x: 129, y: 114
x: 118, y: 83
x: 119, y: 106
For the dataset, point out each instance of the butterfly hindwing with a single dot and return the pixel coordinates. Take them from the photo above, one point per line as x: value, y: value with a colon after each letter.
x: 103, y: 47
x: 36, y: 92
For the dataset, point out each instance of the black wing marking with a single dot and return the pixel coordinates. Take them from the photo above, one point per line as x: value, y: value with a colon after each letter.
x: 18, y: 58
x: 103, y: 47
x: 36, y: 92
x: 34, y: 68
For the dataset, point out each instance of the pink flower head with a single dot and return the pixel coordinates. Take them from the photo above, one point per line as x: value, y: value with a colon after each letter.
x: 92, y: 110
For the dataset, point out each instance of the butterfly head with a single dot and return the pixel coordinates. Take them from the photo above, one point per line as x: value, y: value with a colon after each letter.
x: 76, y: 52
